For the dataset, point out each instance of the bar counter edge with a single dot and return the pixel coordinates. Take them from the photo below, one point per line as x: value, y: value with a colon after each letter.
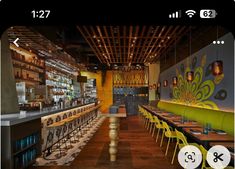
x: 17, y: 118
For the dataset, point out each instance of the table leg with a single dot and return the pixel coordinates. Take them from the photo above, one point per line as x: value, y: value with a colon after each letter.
x: 113, y: 135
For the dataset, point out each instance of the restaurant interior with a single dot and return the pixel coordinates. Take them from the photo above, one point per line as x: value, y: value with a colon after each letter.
x: 122, y: 96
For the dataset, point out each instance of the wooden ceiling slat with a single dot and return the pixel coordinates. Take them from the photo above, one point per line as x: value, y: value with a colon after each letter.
x: 151, y: 48
x: 166, y: 40
x: 121, y: 60
x: 115, y: 48
x: 144, y: 44
x: 133, y: 48
x: 151, y: 41
x: 125, y: 39
x: 91, y: 42
x: 139, y: 44
x: 129, y: 45
x: 158, y: 42
x: 100, y: 50
x: 104, y: 44
x: 180, y: 33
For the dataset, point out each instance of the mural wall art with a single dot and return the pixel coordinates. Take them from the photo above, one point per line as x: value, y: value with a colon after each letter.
x: 205, y: 90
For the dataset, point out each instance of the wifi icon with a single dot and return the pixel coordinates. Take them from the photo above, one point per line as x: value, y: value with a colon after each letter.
x: 190, y: 13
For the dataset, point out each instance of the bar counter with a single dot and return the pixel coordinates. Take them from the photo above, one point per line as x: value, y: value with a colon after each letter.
x: 32, y: 134
x: 17, y: 118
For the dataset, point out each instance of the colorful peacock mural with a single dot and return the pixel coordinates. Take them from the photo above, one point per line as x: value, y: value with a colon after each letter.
x: 197, y: 92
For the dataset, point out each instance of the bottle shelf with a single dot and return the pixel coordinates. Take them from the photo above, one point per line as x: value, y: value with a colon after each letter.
x: 29, y: 63
x: 22, y: 67
x: 29, y: 80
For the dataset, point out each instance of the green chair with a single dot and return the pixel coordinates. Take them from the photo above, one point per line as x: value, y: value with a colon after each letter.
x: 169, y: 133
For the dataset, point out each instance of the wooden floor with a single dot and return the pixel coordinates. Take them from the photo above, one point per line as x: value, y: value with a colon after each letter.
x: 137, y: 150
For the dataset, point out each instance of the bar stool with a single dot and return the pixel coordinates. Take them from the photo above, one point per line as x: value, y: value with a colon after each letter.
x: 69, y: 122
x: 55, y: 127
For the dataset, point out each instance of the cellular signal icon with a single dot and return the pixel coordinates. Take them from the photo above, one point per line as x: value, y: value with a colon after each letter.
x: 176, y: 14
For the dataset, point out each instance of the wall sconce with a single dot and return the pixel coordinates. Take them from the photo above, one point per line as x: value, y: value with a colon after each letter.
x: 154, y: 86
x: 174, y: 81
x: 159, y: 84
x: 150, y: 87
x: 190, y: 76
x: 217, y: 67
x: 165, y: 83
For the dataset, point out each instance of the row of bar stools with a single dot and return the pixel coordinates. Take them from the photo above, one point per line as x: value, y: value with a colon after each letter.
x: 68, y: 130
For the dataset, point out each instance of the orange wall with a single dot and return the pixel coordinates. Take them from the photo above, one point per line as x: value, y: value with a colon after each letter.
x: 104, y: 93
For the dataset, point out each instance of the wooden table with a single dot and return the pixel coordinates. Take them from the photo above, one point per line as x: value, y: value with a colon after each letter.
x: 113, y: 132
x: 188, y: 124
x: 206, y: 139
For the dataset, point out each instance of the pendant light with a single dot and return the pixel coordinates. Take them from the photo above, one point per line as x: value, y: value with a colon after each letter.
x: 190, y: 74
x: 158, y: 84
x: 175, y: 79
x: 165, y: 83
x: 217, y: 66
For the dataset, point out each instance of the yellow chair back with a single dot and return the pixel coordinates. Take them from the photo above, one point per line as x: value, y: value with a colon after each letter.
x: 181, y: 139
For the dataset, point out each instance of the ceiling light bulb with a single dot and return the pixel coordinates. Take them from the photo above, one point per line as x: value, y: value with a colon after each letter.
x: 168, y: 37
x: 94, y: 36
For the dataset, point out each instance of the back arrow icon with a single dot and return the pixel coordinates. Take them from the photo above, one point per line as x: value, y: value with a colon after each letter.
x: 15, y: 42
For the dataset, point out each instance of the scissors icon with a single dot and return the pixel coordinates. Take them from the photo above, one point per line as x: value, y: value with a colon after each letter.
x: 217, y: 157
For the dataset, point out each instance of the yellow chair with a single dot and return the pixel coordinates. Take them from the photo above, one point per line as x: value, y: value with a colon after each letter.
x: 204, y: 153
x: 149, y: 117
x: 204, y: 163
x: 145, y: 118
x: 158, y: 125
x: 181, y: 142
x: 152, y: 122
x: 168, y: 133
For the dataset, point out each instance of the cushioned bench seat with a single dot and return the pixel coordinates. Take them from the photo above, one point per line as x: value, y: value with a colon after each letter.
x: 218, y: 119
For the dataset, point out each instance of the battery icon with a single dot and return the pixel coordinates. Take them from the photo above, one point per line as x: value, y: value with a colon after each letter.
x: 208, y: 13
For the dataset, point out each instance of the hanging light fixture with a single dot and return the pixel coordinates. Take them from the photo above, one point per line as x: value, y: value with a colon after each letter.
x: 217, y: 66
x: 154, y: 86
x: 165, y: 83
x: 159, y: 84
x: 174, y: 81
x: 190, y: 74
